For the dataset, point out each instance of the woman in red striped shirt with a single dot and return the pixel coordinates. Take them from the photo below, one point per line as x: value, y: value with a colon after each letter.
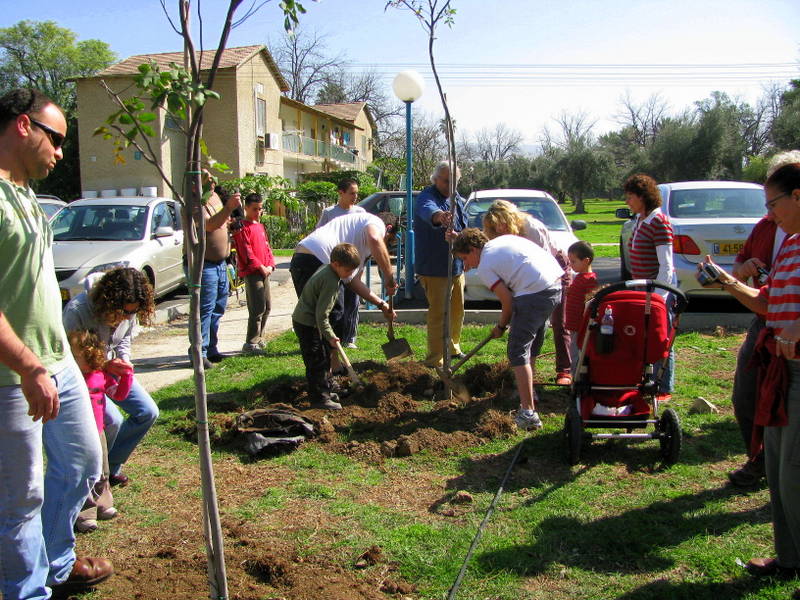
x: 650, y: 249
x: 778, y: 403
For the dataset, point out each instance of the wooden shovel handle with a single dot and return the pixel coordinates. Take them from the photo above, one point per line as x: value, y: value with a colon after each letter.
x: 391, y: 319
x: 471, y: 353
x: 350, y: 371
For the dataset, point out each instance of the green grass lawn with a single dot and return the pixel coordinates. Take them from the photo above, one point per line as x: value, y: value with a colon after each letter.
x: 618, y: 525
x: 602, y: 226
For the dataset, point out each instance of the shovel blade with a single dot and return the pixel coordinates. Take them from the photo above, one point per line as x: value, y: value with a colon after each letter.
x: 396, y: 349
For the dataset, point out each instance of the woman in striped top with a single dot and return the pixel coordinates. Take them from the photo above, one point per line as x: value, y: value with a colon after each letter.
x: 650, y: 249
x: 778, y: 408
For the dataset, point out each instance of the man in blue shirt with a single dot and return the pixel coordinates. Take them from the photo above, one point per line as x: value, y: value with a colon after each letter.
x: 432, y: 219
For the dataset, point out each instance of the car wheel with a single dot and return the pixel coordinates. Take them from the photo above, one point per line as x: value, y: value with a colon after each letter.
x: 624, y: 273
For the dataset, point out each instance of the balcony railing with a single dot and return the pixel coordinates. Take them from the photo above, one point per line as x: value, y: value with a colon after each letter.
x: 299, y: 144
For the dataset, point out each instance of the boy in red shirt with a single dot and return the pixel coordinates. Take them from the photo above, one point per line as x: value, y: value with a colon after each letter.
x: 581, y: 256
x: 255, y: 263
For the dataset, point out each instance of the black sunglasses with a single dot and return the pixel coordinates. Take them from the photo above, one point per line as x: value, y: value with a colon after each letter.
x: 57, y: 139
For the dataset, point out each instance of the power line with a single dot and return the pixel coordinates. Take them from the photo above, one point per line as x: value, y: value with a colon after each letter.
x: 573, y: 74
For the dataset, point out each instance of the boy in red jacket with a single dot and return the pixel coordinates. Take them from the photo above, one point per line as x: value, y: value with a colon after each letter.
x: 255, y: 264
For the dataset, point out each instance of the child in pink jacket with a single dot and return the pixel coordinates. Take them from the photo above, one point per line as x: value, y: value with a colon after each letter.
x: 90, y: 355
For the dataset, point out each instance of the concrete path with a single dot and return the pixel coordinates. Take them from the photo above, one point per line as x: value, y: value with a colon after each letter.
x: 160, y: 353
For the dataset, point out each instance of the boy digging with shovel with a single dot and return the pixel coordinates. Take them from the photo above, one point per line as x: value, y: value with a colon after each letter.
x: 313, y: 328
x: 527, y: 281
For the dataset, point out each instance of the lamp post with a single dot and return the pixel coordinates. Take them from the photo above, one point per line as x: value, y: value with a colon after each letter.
x: 408, y: 87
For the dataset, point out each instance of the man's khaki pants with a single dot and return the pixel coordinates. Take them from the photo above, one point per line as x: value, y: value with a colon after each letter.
x: 436, y: 293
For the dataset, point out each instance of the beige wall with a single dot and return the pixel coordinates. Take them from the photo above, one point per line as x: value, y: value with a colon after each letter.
x: 230, y: 128
x: 98, y: 169
x: 364, y: 138
x: 229, y: 132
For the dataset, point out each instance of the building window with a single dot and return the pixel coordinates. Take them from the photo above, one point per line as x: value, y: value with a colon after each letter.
x: 261, y: 116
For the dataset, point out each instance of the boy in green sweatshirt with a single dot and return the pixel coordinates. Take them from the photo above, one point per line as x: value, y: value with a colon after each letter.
x: 313, y: 329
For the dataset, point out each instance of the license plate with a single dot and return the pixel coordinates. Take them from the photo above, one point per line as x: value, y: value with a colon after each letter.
x: 64, y: 295
x: 726, y: 248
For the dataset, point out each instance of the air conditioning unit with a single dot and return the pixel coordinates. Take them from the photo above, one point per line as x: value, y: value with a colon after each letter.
x: 272, y: 141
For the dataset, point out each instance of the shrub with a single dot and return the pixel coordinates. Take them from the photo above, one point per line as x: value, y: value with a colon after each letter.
x: 366, y: 181
x: 273, y: 189
x: 278, y: 231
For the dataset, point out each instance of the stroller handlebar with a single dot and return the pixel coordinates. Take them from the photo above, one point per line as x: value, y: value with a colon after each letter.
x: 647, y: 285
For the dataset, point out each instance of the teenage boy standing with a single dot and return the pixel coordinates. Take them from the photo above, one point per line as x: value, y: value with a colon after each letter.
x: 255, y: 264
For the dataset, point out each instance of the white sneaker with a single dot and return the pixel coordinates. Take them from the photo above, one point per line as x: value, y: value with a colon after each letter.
x: 106, y: 514
x: 252, y: 349
x: 352, y: 346
x: 527, y: 419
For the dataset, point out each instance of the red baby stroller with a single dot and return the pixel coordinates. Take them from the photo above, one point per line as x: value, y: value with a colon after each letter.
x: 625, y: 340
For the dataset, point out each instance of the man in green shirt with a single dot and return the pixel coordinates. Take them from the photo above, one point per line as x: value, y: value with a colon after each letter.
x: 43, y: 397
x: 312, y: 325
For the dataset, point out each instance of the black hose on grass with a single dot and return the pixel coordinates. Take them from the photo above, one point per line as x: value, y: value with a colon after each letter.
x: 479, y: 533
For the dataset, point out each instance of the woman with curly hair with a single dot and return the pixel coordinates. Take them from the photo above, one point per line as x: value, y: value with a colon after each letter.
x: 503, y: 217
x: 650, y: 248
x: 114, y: 307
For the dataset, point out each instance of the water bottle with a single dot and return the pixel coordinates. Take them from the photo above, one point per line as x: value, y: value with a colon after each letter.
x: 606, y: 337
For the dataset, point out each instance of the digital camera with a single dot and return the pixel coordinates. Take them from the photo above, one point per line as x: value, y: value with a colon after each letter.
x: 707, y: 273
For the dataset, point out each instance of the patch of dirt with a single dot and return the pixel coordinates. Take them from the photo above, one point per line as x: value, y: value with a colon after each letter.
x: 485, y: 378
x: 394, y: 414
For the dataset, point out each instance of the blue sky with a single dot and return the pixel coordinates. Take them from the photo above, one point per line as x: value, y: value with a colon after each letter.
x: 521, y: 62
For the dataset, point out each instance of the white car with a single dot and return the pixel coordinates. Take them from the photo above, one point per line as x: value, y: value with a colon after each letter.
x: 93, y: 236
x: 534, y: 202
x: 50, y: 205
x: 707, y: 217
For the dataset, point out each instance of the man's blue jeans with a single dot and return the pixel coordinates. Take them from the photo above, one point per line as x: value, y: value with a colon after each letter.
x: 122, y: 436
x: 38, y: 509
x: 213, y: 300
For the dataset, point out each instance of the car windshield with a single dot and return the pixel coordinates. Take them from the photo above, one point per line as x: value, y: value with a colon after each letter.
x: 107, y: 222
x: 543, y: 209
x: 50, y: 209
x: 717, y: 203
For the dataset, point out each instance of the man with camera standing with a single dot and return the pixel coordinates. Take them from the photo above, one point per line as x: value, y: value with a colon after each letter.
x: 214, y: 279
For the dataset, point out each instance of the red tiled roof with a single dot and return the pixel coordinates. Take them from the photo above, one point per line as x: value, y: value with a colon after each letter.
x: 231, y: 57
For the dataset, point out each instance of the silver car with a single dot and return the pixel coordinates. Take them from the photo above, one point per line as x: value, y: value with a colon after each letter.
x: 534, y: 202
x: 708, y: 217
x: 50, y: 205
x: 93, y: 236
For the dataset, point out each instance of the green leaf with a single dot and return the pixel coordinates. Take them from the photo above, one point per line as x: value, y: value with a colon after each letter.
x: 147, y: 117
x: 101, y: 130
x: 126, y: 119
x: 148, y: 131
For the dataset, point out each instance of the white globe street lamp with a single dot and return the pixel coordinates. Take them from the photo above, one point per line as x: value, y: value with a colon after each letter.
x: 408, y: 87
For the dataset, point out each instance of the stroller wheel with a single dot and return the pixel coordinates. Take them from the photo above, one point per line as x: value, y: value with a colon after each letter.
x: 670, y: 436
x: 572, y: 435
